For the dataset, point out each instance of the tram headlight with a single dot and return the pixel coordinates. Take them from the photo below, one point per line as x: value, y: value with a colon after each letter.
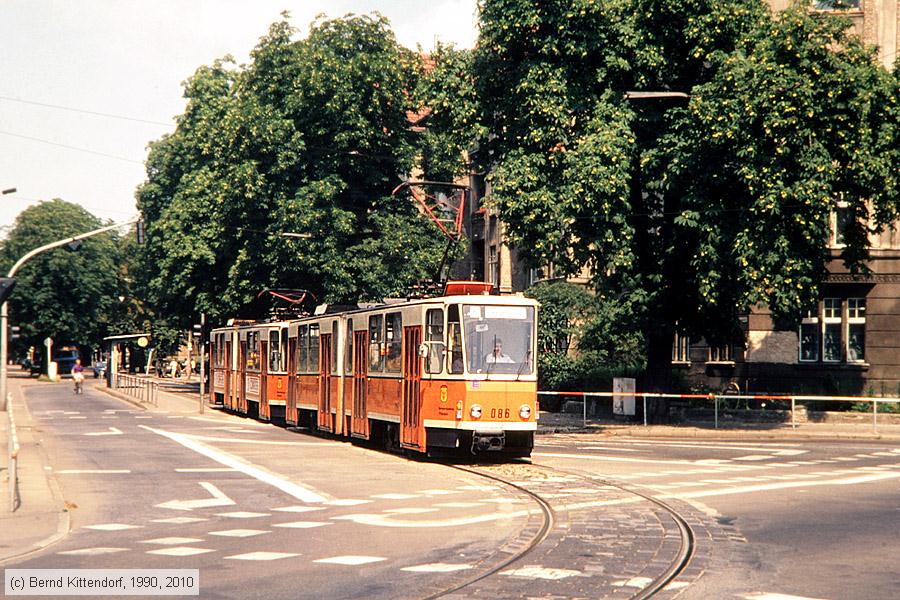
x: 475, y: 411
x: 525, y: 411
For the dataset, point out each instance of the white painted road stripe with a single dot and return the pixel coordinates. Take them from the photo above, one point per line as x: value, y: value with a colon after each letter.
x: 172, y: 541
x: 241, y: 533
x: 112, y: 431
x: 207, y: 470
x: 301, y: 524
x: 91, y: 471
x: 350, y: 560
x: 770, y: 596
x: 93, y: 551
x: 112, y: 527
x: 180, y: 551
x: 304, y: 494
x: 218, y: 499
x: 261, y: 556
x: 437, y: 568
x: 542, y: 573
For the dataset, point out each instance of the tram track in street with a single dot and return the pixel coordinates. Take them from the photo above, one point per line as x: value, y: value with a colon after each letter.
x: 676, y: 565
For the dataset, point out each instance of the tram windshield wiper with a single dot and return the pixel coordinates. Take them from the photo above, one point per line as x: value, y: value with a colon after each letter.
x: 524, y: 362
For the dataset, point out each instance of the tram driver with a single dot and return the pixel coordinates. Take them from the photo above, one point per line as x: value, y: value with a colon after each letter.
x: 497, y: 355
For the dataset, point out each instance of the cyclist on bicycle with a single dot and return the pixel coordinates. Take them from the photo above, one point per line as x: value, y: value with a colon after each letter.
x: 78, y: 375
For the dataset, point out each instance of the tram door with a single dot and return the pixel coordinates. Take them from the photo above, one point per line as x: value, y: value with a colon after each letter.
x: 229, y: 374
x: 290, y: 410
x: 360, y: 418
x: 241, y: 391
x: 410, y: 429
x: 325, y: 382
x: 263, y: 377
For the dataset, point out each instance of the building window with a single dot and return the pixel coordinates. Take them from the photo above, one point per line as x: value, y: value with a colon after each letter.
x: 681, y: 349
x: 836, y: 4
x: 809, y: 337
x: 835, y: 334
x: 831, y: 330
x: 856, y: 329
x: 841, y: 221
x: 720, y: 354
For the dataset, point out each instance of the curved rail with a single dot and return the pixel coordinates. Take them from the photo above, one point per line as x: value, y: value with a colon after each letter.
x: 545, y: 529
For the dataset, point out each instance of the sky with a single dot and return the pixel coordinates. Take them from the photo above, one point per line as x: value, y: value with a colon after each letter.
x: 86, y: 85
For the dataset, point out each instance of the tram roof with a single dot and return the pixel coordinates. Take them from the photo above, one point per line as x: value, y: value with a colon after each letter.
x: 516, y: 300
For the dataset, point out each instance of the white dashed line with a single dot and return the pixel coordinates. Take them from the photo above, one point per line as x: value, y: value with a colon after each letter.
x: 261, y: 556
x: 112, y: 527
x: 180, y: 551
x: 395, y: 496
x: 93, y: 551
x: 347, y: 502
x: 92, y: 471
x: 242, y: 515
x: 635, y: 582
x: 349, y: 560
x: 301, y: 524
x: 172, y: 541
x: 536, y: 572
x: 297, y: 509
x: 437, y: 568
x: 240, y: 533
x: 179, y: 520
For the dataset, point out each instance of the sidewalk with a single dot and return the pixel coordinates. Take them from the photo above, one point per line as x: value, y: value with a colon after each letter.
x: 41, y: 517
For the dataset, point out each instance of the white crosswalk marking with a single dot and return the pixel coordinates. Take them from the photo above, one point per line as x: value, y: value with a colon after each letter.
x: 437, y: 568
x: 261, y: 556
x: 180, y: 551
x: 112, y: 527
x: 240, y: 533
x: 301, y: 524
x: 350, y: 560
x: 93, y: 551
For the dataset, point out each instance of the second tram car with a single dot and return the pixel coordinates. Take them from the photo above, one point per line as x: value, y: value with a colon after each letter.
x: 455, y: 372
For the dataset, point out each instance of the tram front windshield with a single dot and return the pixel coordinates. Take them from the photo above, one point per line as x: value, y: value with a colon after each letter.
x: 499, y: 338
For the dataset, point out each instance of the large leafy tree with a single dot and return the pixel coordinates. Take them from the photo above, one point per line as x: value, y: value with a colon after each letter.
x: 64, y: 294
x: 309, y: 138
x: 687, y: 211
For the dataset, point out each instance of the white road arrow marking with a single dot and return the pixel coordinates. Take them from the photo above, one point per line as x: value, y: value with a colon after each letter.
x: 112, y: 431
x: 218, y: 499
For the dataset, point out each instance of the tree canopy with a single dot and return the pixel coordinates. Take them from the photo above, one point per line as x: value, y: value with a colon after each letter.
x: 66, y: 295
x: 690, y: 211
x: 310, y: 138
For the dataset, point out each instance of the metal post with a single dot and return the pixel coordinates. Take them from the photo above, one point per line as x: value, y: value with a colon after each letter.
x: 4, y: 310
x: 645, y: 409
x: 793, y: 413
x: 875, y: 415
x: 716, y: 402
x: 203, y: 360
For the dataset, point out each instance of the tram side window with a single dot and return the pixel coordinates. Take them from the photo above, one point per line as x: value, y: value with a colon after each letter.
x: 284, y: 350
x: 454, y: 340
x: 275, y: 351
x: 348, y: 349
x: 302, y: 350
x: 434, y: 338
x: 334, y: 348
x: 314, y: 348
x: 393, y: 342
x: 252, y: 363
x: 376, y: 358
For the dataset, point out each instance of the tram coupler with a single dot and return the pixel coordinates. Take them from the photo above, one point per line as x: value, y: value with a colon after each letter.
x: 488, y: 441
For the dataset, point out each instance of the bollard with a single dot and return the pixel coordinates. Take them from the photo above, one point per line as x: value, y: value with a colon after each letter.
x: 716, y: 404
x: 645, y: 409
x: 583, y: 409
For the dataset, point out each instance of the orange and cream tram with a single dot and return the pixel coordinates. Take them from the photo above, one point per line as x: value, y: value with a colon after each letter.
x: 455, y: 372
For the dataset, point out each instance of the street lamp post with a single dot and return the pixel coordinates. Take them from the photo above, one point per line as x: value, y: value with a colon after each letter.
x: 4, y: 309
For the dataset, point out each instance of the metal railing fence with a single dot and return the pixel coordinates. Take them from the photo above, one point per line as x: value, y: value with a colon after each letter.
x: 715, y: 399
x: 142, y: 389
x: 13, y: 454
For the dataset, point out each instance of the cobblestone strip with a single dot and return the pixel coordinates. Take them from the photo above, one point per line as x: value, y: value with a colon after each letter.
x: 606, y: 543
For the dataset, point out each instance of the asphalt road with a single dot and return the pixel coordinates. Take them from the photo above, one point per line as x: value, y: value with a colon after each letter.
x: 265, y: 512
x: 261, y: 511
x: 810, y: 519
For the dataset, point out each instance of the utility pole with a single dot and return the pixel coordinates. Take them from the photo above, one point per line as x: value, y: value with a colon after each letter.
x: 202, y: 360
x: 4, y: 309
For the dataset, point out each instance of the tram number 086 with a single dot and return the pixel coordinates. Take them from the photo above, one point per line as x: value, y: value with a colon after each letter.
x: 499, y: 413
